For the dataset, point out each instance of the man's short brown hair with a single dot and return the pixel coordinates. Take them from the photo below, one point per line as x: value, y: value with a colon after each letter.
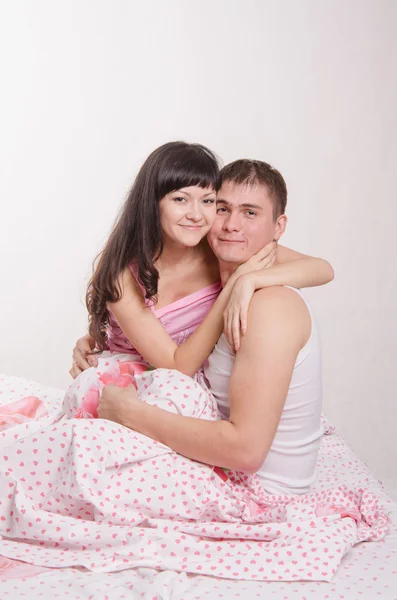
x: 256, y: 172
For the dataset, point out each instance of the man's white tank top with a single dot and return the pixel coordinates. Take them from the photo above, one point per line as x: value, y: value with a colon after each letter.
x: 290, y: 465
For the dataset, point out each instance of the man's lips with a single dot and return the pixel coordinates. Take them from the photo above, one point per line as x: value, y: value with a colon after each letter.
x: 227, y: 241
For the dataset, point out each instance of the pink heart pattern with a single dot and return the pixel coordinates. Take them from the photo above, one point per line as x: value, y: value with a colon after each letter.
x: 94, y: 494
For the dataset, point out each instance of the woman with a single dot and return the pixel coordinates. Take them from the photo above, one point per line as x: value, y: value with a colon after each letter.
x: 156, y: 288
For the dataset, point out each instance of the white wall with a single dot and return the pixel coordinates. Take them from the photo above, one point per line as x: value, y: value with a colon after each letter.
x: 89, y: 87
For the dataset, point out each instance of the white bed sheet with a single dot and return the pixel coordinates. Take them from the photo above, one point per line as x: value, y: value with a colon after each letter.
x: 368, y: 571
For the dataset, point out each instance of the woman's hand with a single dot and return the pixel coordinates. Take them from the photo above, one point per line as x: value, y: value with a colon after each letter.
x: 265, y: 258
x: 235, y: 315
x: 82, y: 357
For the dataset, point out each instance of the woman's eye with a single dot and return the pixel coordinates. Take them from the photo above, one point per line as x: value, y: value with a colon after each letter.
x: 179, y: 199
x: 209, y: 201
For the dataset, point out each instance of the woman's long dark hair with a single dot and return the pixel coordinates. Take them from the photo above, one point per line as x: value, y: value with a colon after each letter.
x: 137, y: 235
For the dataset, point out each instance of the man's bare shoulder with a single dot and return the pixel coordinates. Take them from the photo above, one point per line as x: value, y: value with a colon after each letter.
x: 283, y: 308
x: 278, y: 297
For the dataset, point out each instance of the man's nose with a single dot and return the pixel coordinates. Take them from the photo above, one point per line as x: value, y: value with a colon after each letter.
x: 232, y: 223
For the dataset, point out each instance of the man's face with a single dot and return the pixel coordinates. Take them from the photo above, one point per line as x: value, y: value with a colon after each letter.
x: 244, y: 222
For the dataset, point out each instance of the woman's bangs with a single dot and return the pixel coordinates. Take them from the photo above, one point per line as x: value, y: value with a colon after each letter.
x: 202, y: 172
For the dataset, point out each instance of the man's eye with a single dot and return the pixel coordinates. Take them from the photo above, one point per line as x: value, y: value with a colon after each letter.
x: 251, y: 213
x: 221, y: 209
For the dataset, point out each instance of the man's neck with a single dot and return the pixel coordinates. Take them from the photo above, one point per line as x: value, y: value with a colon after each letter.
x: 226, y: 270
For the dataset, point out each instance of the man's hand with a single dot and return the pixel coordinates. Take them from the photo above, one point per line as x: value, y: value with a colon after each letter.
x: 117, y: 404
x: 82, y: 357
x: 258, y: 387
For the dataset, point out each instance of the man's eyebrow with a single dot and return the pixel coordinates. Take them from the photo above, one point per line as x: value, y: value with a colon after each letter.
x: 256, y: 206
x: 245, y: 205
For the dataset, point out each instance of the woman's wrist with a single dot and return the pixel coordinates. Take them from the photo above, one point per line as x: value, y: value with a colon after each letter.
x: 230, y: 282
x: 252, y: 279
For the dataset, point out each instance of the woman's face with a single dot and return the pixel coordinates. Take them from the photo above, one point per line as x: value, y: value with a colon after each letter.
x: 187, y: 215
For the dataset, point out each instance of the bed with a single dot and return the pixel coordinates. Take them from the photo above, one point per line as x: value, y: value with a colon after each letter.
x: 368, y: 571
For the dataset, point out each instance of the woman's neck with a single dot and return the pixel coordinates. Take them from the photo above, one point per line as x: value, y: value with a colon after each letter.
x: 174, y: 256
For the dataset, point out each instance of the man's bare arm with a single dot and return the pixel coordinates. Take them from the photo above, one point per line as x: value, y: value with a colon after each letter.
x: 258, y: 387
x: 279, y: 325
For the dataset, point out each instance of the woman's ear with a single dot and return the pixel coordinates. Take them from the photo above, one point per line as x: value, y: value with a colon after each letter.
x: 280, y: 226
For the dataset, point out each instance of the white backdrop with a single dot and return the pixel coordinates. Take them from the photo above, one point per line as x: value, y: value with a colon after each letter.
x: 90, y: 87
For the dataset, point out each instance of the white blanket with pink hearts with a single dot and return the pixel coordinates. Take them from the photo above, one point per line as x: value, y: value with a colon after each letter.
x: 88, y: 492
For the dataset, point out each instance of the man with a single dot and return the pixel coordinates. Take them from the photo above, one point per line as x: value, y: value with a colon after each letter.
x: 269, y: 391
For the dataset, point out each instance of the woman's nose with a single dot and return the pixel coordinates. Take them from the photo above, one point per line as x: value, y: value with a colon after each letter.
x: 194, y: 213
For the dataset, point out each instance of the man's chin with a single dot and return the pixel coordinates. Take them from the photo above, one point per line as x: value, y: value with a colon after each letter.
x: 231, y: 257
x: 230, y: 253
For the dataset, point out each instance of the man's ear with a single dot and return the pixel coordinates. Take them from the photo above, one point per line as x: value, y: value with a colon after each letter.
x: 280, y: 226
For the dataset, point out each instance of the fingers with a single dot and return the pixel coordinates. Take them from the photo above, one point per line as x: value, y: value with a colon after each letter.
x: 236, y: 331
x: 87, y: 342
x: 85, y: 346
x: 271, y: 246
x: 110, y: 387
x: 92, y: 360
x: 232, y: 326
x: 243, y: 320
x: 272, y: 261
x: 269, y: 260
x: 79, y: 358
x: 266, y: 251
x: 226, y: 325
x: 82, y: 353
x: 263, y: 252
x: 75, y: 371
x: 270, y: 249
x: 99, y: 410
